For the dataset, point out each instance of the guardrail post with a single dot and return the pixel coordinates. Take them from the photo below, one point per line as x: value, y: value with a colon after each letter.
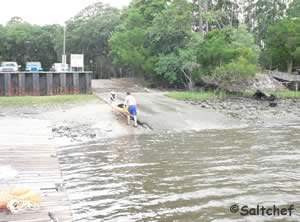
x: 88, y: 81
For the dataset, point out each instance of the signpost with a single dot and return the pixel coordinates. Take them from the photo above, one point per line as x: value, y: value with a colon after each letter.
x: 77, y: 62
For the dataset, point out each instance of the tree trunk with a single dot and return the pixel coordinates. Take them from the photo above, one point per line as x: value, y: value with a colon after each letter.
x: 290, y: 66
x: 200, y: 18
x: 190, y: 82
x: 206, y: 10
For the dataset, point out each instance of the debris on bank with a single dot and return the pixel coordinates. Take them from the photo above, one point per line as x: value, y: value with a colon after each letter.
x: 262, y: 81
x: 20, y: 199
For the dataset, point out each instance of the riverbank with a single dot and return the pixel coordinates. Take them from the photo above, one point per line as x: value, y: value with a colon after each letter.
x: 88, y: 118
x: 70, y: 119
x: 245, y: 108
x: 28, y: 101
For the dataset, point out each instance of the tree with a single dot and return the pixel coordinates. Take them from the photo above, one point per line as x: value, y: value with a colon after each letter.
x: 165, y: 34
x: 131, y: 43
x: 89, y: 33
x: 228, y: 53
x: 209, y: 14
x: 294, y: 9
x: 283, y: 44
x: 260, y: 14
x: 181, y: 67
x: 24, y: 42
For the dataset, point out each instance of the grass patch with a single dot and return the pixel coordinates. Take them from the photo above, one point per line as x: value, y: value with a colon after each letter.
x: 43, y: 100
x: 196, y: 95
x: 288, y: 94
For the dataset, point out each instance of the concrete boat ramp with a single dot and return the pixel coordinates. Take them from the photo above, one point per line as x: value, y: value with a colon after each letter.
x: 28, y: 159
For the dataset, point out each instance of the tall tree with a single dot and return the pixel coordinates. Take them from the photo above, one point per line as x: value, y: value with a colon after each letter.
x: 283, y: 44
x: 260, y: 14
x: 294, y: 9
x: 25, y: 42
x: 89, y: 32
x: 210, y: 14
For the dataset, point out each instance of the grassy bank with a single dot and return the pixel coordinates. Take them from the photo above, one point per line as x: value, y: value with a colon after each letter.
x: 196, y: 95
x: 288, y: 94
x: 43, y: 100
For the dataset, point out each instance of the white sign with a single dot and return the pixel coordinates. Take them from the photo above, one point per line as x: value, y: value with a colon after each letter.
x: 77, y: 60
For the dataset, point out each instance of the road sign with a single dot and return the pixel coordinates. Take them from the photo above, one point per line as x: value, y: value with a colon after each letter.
x: 77, y: 61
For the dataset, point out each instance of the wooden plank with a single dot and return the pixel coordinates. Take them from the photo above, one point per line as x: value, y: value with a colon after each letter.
x: 62, y: 83
x: 76, y: 82
x: 38, y: 168
x: 21, y: 84
x: 50, y: 84
x: 7, y: 84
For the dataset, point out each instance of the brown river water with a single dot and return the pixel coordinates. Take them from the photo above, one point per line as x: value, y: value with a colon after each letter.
x: 192, y: 176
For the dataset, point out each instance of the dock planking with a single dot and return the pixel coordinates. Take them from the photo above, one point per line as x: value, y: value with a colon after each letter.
x: 27, y: 150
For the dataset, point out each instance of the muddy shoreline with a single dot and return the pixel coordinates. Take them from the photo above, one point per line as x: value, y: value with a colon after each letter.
x: 252, y: 111
x: 94, y: 120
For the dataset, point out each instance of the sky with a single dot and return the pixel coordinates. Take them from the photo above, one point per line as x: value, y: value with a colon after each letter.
x: 43, y: 12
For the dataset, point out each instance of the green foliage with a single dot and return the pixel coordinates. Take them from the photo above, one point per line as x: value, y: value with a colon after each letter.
x: 172, y: 28
x: 288, y: 94
x: 148, y: 41
x: 181, y: 67
x: 294, y: 9
x: 283, y: 44
x: 228, y: 53
x: 23, y: 42
x: 89, y: 32
x: 168, y: 67
x: 260, y: 14
x: 240, y: 68
x: 43, y: 100
x: 128, y: 49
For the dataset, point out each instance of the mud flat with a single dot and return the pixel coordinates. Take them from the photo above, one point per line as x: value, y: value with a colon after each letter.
x: 254, y: 112
x: 70, y: 123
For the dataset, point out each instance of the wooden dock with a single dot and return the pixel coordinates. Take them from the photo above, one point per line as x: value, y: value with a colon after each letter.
x: 26, y: 149
x: 286, y: 77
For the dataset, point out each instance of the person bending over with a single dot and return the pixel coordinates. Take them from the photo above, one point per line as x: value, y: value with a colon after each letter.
x: 130, y: 103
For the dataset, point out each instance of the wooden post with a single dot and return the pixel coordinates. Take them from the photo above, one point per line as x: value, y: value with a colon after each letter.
x: 7, y: 84
x: 88, y: 80
x: 62, y: 83
x: 76, y: 82
x: 49, y: 84
x: 21, y: 84
x: 36, y: 84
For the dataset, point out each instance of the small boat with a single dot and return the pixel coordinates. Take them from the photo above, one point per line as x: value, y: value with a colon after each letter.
x: 120, y: 108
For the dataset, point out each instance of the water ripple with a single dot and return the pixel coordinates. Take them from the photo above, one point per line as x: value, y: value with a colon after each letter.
x: 184, y: 177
